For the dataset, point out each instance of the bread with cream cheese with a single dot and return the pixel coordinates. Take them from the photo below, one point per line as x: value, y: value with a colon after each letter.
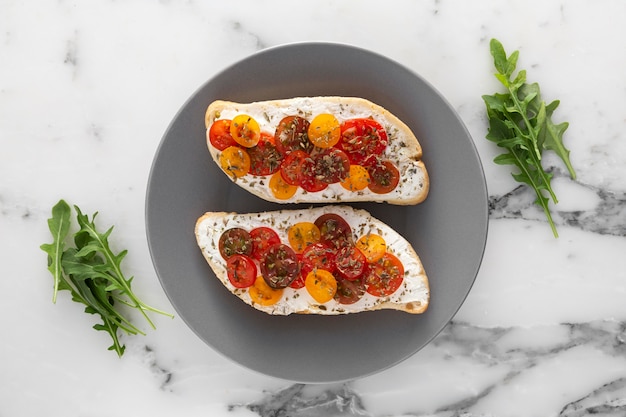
x: 411, y: 297
x: 403, y: 148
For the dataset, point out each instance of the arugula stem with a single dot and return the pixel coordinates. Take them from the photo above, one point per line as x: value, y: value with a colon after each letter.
x: 143, y: 306
x: 540, y: 197
x: 112, y: 330
x: 542, y: 174
x: 520, y: 109
x: 58, y: 272
x: 534, y: 152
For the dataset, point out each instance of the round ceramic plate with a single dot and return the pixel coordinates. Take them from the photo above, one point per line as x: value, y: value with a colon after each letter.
x: 448, y: 230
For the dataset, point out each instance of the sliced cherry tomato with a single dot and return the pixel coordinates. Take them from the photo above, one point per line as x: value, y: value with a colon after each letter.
x: 262, y: 238
x: 265, y: 158
x: 321, y: 284
x: 324, y: 131
x: 361, y: 138
x: 245, y: 130
x: 263, y: 294
x: 309, y: 181
x: 280, y: 266
x: 351, y: 263
x: 373, y: 247
x: 370, y: 161
x: 331, y: 166
x: 303, y: 234
x: 384, y: 177
x: 235, y: 161
x: 291, y: 167
x: 384, y: 276
x: 358, y: 179
x: 292, y: 135
x: 241, y: 271
x: 318, y: 256
x: 235, y: 241
x: 299, y: 281
x: 279, y: 187
x: 334, y: 230
x: 349, y: 291
x: 219, y: 134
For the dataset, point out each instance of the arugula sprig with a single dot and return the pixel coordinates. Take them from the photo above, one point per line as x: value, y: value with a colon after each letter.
x: 92, y: 272
x: 521, y: 123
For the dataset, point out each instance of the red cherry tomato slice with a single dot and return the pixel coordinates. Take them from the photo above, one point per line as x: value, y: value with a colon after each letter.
x: 384, y: 177
x: 331, y: 166
x: 262, y: 238
x: 384, y: 276
x: 235, y: 241
x: 300, y: 279
x: 309, y: 180
x: 219, y: 134
x: 291, y: 167
x: 318, y: 255
x: 349, y: 291
x: 265, y: 159
x: 298, y: 282
x: 351, y: 263
x: 291, y: 135
x: 280, y: 266
x: 361, y: 138
x: 241, y: 271
x: 334, y: 231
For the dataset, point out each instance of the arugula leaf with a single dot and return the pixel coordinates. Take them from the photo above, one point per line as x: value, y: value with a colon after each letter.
x: 551, y: 137
x: 521, y: 123
x: 93, y: 274
x: 59, y: 226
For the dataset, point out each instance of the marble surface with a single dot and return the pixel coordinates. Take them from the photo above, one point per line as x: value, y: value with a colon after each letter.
x: 88, y: 88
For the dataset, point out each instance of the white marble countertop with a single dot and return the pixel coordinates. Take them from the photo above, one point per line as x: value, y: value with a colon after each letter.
x: 87, y: 90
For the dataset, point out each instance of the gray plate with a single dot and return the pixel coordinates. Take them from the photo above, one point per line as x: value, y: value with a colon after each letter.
x: 448, y: 231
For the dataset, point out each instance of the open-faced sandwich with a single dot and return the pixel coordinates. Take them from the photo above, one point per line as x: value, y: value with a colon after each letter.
x: 321, y: 260
x: 317, y: 150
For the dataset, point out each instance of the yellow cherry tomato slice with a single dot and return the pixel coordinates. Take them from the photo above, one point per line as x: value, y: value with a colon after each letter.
x: 245, y: 130
x: 235, y: 161
x: 302, y: 235
x: 358, y: 179
x: 324, y: 131
x: 263, y: 294
x: 321, y: 284
x: 280, y: 188
x: 373, y: 247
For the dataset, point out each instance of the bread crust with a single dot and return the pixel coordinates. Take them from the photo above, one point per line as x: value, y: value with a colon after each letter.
x: 404, y: 148
x: 412, y: 297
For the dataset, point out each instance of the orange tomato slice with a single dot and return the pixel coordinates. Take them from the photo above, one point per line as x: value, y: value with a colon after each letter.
x: 324, y: 131
x: 373, y: 247
x: 245, y: 130
x: 321, y: 284
x: 280, y: 188
x: 358, y: 179
x: 302, y: 235
x: 235, y: 161
x: 384, y: 177
x: 385, y: 276
x: 263, y: 294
